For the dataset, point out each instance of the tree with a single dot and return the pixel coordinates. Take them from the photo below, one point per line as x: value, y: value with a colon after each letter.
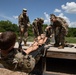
x: 8, y: 26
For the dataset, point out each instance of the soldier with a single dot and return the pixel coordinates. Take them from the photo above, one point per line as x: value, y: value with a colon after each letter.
x: 60, y: 28
x: 24, y: 22
x: 11, y: 58
x: 35, y: 28
x: 38, y: 26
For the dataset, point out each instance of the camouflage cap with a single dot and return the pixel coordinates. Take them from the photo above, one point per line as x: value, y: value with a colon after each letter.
x: 24, y: 9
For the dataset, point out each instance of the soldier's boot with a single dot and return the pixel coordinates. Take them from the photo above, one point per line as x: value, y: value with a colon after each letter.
x: 61, y: 47
x: 56, y: 45
x: 26, y: 44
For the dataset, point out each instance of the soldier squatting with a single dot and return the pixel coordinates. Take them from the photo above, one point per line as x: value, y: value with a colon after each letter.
x: 25, y: 60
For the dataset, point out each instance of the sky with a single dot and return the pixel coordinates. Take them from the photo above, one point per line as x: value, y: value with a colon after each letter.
x: 11, y: 9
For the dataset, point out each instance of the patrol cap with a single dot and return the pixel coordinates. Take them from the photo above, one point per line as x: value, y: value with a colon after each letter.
x: 24, y: 9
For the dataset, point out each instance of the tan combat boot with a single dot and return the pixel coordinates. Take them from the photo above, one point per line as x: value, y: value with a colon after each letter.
x: 61, y: 47
x: 56, y: 45
x: 26, y: 44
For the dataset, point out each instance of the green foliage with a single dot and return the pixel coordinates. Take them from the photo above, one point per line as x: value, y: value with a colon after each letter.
x: 72, y: 32
x: 8, y: 26
x: 71, y: 39
x: 44, y: 26
x: 30, y: 32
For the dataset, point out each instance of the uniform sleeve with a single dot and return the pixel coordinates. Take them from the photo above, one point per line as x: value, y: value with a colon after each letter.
x: 28, y: 21
x: 33, y: 24
x: 19, y: 20
x: 64, y: 24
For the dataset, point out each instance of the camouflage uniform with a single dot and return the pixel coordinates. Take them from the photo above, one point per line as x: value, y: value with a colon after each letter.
x: 60, y: 28
x: 7, y: 61
x: 37, y: 26
x: 40, y: 25
x: 18, y: 61
x: 23, y: 24
x: 48, y: 31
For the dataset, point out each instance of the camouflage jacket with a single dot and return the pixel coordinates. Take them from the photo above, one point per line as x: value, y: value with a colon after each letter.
x: 7, y: 61
x: 62, y: 24
x: 35, y: 27
x: 23, y: 21
x: 40, y: 26
x: 18, y: 61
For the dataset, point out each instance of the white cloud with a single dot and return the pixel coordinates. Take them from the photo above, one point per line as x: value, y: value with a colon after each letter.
x: 71, y: 24
x: 70, y: 7
x: 57, y: 10
x: 47, y: 18
x: 15, y: 17
x: 6, y: 17
x: 66, y: 18
x: 12, y: 19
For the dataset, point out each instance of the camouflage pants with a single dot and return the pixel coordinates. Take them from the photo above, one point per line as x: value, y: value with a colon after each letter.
x: 24, y: 36
x: 36, y: 33
x: 40, y: 31
x: 23, y: 33
x: 59, y: 36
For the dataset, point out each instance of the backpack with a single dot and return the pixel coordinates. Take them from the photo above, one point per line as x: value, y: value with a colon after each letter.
x: 25, y: 63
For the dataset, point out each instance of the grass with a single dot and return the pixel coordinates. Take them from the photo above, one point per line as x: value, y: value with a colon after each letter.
x: 31, y: 38
x: 68, y: 39
x: 71, y: 39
